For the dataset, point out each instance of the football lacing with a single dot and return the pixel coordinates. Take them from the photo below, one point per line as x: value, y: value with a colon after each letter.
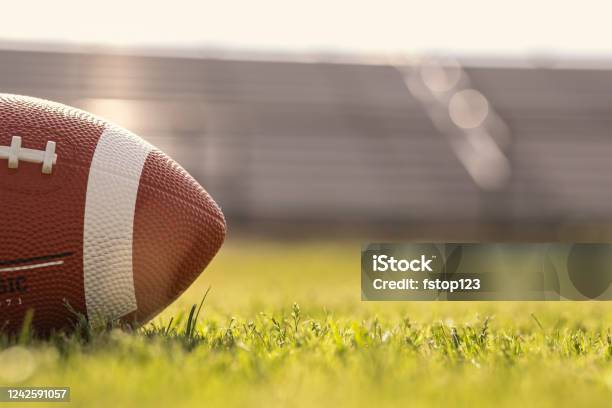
x: 14, y: 153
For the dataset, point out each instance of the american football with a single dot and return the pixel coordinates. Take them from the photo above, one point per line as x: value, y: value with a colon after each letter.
x: 95, y: 220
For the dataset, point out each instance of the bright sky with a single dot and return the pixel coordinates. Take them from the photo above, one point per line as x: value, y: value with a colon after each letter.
x: 480, y: 27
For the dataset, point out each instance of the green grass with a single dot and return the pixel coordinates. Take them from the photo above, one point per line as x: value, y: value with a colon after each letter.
x: 252, y: 345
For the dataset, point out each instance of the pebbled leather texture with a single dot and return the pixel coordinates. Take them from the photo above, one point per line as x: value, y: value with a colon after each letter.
x: 177, y: 227
x: 189, y: 224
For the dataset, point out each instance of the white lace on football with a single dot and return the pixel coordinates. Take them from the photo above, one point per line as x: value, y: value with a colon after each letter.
x: 15, y: 153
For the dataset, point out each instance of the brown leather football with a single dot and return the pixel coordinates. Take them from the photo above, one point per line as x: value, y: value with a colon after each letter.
x: 93, y: 219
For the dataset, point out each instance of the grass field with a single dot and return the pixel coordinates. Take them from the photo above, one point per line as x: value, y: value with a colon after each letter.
x: 283, y: 325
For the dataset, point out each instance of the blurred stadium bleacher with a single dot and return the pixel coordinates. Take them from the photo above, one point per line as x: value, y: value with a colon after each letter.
x: 338, y: 143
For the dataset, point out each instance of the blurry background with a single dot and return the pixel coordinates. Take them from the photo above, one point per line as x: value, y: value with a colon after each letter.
x: 423, y: 121
x: 322, y: 125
